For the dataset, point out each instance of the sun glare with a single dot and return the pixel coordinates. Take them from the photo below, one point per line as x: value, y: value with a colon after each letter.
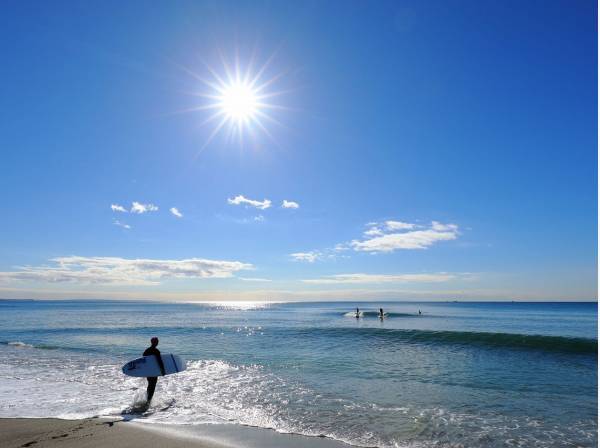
x: 239, y: 102
x: 239, y: 99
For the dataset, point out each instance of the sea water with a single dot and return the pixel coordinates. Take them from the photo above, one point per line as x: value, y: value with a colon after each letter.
x: 458, y: 374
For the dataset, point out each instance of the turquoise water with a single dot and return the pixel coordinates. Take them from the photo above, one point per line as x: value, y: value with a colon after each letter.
x: 459, y: 374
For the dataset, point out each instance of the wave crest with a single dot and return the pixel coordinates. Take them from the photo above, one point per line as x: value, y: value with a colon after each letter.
x: 467, y: 338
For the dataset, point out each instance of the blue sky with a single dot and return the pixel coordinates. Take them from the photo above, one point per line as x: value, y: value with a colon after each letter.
x: 434, y: 150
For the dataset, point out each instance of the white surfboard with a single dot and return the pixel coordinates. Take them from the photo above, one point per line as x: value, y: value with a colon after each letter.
x: 148, y: 365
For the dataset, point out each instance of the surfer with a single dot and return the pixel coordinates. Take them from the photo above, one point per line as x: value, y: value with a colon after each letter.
x: 152, y: 350
x: 357, y: 313
x: 381, y: 313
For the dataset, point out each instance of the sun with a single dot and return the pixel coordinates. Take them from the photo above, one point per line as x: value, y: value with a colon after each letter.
x: 239, y: 100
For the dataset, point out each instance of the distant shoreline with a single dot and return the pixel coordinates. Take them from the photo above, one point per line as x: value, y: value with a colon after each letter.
x: 374, y: 301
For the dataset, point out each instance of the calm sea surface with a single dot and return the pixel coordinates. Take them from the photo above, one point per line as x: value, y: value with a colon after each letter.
x: 459, y: 374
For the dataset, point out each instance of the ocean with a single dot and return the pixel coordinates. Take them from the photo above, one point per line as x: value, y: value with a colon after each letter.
x: 457, y: 375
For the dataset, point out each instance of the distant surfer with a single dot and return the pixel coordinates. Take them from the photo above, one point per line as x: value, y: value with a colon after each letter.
x: 357, y: 313
x: 381, y: 313
x: 152, y: 350
x: 419, y: 312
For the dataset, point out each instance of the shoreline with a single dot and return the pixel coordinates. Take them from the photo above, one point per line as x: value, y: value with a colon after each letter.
x: 88, y: 433
x: 98, y: 432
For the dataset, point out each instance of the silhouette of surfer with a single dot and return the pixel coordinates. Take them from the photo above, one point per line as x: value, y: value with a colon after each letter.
x: 152, y: 350
x: 381, y: 315
x: 357, y: 313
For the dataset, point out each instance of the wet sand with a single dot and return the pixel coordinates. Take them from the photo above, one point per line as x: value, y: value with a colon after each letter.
x: 118, y: 433
x: 88, y: 433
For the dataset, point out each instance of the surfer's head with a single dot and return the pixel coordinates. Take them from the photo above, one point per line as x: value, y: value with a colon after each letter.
x: 154, y: 341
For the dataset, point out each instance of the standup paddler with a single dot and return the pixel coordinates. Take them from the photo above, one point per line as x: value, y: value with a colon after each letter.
x: 152, y: 350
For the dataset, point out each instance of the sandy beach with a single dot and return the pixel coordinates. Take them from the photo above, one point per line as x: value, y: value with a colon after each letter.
x: 90, y: 433
x: 116, y: 433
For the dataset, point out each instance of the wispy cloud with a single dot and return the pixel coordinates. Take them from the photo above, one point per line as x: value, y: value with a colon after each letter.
x: 340, y: 247
x: 399, y: 225
x: 309, y: 257
x: 439, y: 227
x: 373, y: 231
x: 380, y: 228
x: 329, y: 253
x: 118, y: 208
x: 115, y: 270
x: 257, y: 296
x: 254, y: 279
x: 139, y: 208
x: 381, y: 278
x: 247, y: 220
x: 289, y: 204
x: 116, y: 222
x: 175, y: 211
x: 386, y: 237
x: 240, y: 199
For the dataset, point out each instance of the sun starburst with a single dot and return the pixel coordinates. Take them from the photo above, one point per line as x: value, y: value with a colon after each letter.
x: 239, y: 100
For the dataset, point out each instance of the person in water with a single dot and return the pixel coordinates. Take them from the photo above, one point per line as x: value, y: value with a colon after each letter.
x: 357, y: 313
x: 152, y: 350
x: 381, y: 313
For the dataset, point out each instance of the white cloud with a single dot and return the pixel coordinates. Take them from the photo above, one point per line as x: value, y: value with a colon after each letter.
x: 259, y: 218
x: 309, y: 257
x: 256, y: 297
x: 118, y: 208
x: 382, y: 278
x: 399, y: 225
x: 116, y: 222
x: 254, y: 279
x: 411, y: 239
x: 341, y: 247
x: 329, y: 253
x: 114, y: 270
x: 139, y: 208
x: 439, y: 227
x: 374, y: 231
x: 175, y: 211
x: 289, y: 204
x: 386, y: 236
x: 379, y: 229
x: 240, y: 199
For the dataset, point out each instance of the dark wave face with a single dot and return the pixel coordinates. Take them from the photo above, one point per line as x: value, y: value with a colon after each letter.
x: 491, y: 340
x: 483, y: 339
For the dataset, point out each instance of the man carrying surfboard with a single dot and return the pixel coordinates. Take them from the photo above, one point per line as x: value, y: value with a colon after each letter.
x: 152, y: 350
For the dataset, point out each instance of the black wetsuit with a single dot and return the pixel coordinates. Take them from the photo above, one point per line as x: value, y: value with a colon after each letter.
x: 152, y: 350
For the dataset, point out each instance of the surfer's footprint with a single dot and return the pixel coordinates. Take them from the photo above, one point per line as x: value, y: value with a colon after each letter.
x: 62, y: 435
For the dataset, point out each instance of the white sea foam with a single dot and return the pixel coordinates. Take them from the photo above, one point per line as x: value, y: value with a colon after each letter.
x: 209, y: 391
x: 52, y: 384
x: 20, y: 344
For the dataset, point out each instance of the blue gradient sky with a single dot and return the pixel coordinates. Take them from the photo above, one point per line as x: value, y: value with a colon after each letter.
x: 473, y: 123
